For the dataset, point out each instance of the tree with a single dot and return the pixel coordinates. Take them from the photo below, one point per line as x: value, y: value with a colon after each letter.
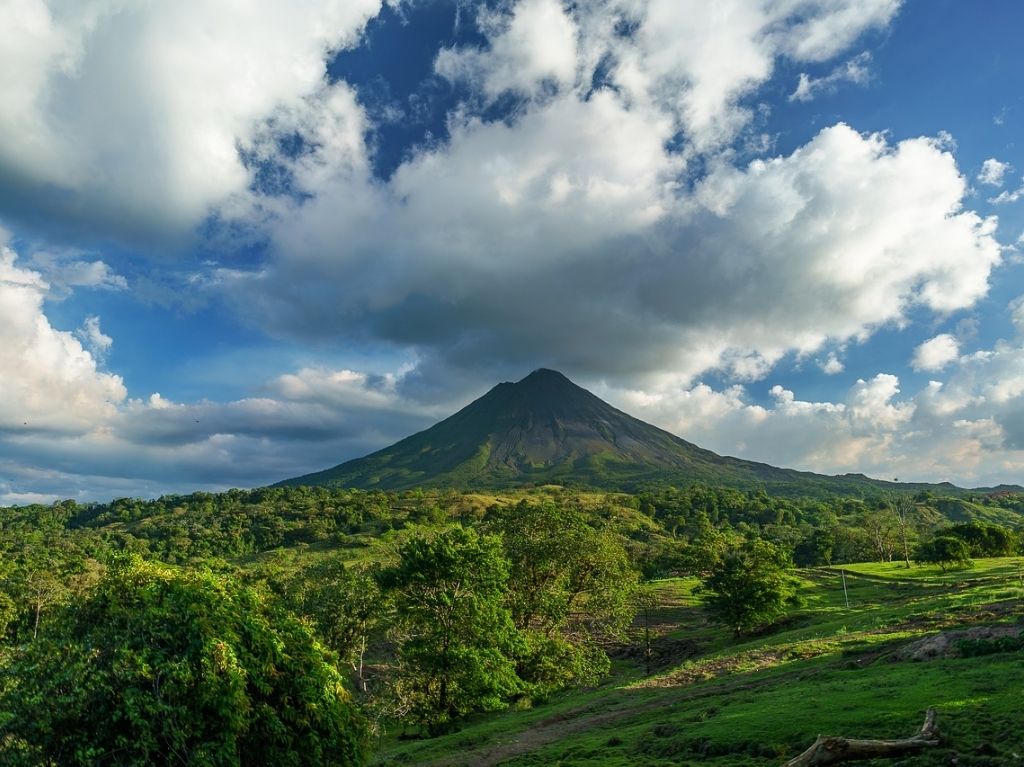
x: 156, y: 665
x: 570, y: 587
x: 946, y: 551
x: 816, y: 548
x: 882, y: 530
x: 750, y: 587
x: 904, y: 509
x: 984, y: 540
x: 456, y: 639
x: 344, y: 604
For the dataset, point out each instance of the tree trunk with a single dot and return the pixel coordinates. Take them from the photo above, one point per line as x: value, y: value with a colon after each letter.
x: 833, y: 750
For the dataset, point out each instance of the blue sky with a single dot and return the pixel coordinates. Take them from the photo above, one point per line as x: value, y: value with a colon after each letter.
x: 244, y: 244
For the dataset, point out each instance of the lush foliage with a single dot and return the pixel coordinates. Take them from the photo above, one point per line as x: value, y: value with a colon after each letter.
x: 456, y: 638
x: 158, y: 664
x: 530, y: 593
x: 571, y: 588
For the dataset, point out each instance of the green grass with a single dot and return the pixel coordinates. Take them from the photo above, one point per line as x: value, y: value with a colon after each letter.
x: 758, y: 700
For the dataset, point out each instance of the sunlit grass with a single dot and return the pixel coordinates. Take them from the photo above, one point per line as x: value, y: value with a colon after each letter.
x: 756, y: 700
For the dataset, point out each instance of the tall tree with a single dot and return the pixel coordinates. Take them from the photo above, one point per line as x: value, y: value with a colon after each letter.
x: 343, y: 603
x: 905, y: 510
x: 456, y: 639
x: 571, y: 587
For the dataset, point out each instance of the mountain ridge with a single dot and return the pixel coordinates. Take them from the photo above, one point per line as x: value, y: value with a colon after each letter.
x: 545, y: 429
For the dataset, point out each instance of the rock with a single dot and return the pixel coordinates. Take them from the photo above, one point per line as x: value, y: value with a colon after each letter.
x: 944, y: 644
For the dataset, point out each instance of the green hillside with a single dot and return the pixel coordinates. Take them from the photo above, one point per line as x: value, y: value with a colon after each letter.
x: 715, y: 700
x: 547, y: 430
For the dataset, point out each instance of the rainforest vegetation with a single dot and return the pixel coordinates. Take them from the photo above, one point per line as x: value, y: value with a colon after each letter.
x: 297, y: 625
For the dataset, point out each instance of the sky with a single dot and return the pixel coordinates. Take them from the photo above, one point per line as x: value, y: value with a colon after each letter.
x: 241, y: 242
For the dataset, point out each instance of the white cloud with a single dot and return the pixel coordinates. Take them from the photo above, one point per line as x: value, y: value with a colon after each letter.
x: 968, y: 430
x: 992, y: 172
x: 309, y: 420
x: 698, y: 65
x: 1006, y: 196
x: 50, y: 383
x: 537, y: 44
x: 936, y: 353
x: 785, y: 255
x: 125, y: 117
x: 832, y: 365
x: 94, y: 339
x: 65, y: 270
x: 1016, y: 308
x: 856, y: 71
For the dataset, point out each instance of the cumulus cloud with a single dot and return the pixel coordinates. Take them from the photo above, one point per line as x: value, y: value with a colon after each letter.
x: 698, y: 66
x: 968, y: 429
x: 307, y: 420
x: 992, y: 172
x: 832, y: 365
x: 596, y: 242
x: 856, y: 71
x: 125, y: 118
x: 95, y: 340
x: 51, y: 383
x: 536, y: 44
x: 66, y: 270
x: 935, y: 353
x: 1016, y: 308
x: 1006, y: 196
x: 68, y: 428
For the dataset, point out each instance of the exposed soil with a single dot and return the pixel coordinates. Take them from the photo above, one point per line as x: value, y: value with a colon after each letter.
x: 944, y: 644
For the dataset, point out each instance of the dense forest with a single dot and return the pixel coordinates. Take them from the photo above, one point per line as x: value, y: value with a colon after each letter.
x: 292, y: 625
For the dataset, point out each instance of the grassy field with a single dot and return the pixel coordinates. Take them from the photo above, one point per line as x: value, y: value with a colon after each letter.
x: 828, y: 669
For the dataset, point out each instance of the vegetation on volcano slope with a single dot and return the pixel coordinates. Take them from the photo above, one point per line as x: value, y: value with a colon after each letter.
x: 545, y: 429
x: 555, y: 582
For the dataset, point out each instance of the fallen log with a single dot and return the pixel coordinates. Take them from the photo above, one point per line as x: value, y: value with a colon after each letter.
x: 832, y: 750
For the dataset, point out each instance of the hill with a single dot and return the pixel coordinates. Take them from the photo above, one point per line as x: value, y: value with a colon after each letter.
x: 545, y: 429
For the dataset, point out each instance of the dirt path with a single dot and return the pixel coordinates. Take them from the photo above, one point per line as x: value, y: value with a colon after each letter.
x: 558, y: 726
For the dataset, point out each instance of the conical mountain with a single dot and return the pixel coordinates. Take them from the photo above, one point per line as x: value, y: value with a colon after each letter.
x: 545, y: 429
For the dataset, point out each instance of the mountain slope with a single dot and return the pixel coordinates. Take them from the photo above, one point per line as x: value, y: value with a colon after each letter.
x: 546, y: 429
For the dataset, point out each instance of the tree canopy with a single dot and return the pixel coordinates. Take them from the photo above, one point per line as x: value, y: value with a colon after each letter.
x: 157, y: 665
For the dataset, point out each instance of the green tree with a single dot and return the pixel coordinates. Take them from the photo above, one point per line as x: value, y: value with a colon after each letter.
x: 570, y: 587
x: 946, y: 551
x: 159, y: 666
x: 750, y: 587
x: 344, y: 604
x: 456, y: 639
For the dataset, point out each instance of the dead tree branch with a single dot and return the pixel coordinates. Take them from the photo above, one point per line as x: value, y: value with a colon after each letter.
x: 832, y: 750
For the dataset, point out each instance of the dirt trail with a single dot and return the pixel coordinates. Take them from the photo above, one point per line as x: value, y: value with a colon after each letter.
x: 556, y: 727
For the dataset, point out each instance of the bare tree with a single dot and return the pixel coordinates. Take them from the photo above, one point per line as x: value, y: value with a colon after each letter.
x: 882, y: 532
x: 905, y: 510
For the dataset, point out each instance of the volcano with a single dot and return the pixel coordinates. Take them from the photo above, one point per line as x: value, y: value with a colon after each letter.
x: 545, y: 430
